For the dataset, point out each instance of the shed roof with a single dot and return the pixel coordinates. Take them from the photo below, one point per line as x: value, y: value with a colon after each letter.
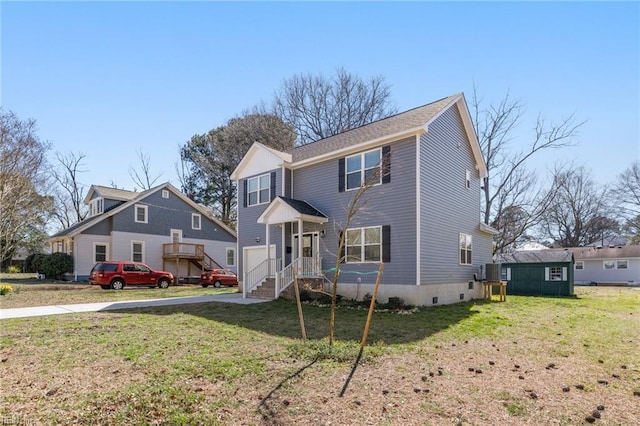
x: 535, y: 256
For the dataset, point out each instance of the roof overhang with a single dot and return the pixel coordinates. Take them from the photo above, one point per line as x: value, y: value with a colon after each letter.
x: 488, y: 229
x: 279, y: 211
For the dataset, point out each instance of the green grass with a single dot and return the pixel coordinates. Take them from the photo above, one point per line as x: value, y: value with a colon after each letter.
x: 201, y: 363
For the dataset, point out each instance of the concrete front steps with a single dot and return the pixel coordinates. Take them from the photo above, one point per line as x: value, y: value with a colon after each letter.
x: 267, y: 289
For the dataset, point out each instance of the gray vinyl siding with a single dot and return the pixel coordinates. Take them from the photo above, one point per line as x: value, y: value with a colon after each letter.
x: 391, y: 204
x: 249, y: 229
x: 103, y: 227
x: 448, y: 208
x: 164, y: 214
x: 287, y: 183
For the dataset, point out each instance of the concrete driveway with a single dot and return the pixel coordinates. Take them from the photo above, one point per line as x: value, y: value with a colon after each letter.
x: 38, y: 311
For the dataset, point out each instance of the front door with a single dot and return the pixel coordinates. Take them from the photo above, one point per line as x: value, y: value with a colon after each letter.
x: 309, y: 245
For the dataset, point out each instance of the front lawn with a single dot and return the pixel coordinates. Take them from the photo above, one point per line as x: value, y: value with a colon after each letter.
x: 527, y: 361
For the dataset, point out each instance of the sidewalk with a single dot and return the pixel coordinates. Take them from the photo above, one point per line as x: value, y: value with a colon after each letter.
x: 38, y: 311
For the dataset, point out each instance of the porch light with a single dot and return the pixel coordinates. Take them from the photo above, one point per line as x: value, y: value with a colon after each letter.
x: 257, y: 239
x: 322, y: 233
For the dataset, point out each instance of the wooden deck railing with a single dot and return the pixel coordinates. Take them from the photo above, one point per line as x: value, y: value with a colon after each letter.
x: 183, y: 250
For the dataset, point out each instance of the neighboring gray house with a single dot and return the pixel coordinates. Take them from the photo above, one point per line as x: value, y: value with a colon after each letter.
x: 422, y: 218
x: 160, y: 227
x: 613, y: 265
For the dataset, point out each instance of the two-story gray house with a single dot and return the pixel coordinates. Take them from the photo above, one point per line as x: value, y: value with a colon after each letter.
x: 422, y: 217
x: 160, y: 227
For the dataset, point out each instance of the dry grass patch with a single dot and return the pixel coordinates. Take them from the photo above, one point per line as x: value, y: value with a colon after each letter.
x: 526, y: 361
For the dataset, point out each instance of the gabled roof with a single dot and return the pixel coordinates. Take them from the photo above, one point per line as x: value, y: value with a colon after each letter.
x: 78, y: 228
x: 284, y: 209
x: 269, y: 159
x: 110, y: 193
x: 535, y: 256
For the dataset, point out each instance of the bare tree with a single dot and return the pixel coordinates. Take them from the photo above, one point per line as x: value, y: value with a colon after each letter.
x: 24, y: 207
x: 69, y: 194
x: 626, y: 192
x: 580, y: 213
x: 208, y: 160
x: 318, y: 107
x: 143, y: 178
x: 507, y: 183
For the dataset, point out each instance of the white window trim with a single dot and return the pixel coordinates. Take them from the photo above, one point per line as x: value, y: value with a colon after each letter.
x: 165, y: 193
x: 604, y: 262
x: 621, y: 261
x: 258, y: 178
x: 460, y: 248
x: 106, y: 252
x: 362, y: 169
x: 199, y: 216
x: 176, y: 231
x: 96, y: 206
x: 232, y: 249
x: 362, y: 245
x: 581, y: 263
x: 146, y: 213
x: 142, y: 248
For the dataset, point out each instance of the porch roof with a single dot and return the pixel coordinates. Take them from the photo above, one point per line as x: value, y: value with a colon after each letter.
x: 284, y: 209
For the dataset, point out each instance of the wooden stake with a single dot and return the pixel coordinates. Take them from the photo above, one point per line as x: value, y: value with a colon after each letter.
x: 300, y: 316
x: 371, y: 307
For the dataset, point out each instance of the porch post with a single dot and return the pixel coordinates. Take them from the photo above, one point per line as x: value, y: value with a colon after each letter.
x: 300, y: 231
x: 268, y: 253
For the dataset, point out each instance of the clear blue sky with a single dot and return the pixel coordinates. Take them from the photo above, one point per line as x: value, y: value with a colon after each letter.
x: 110, y: 78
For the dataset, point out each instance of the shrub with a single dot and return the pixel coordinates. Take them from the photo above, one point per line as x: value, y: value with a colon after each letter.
x: 33, y: 262
x: 56, y: 264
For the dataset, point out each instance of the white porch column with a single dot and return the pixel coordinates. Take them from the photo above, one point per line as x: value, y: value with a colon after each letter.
x: 300, y: 231
x: 268, y: 253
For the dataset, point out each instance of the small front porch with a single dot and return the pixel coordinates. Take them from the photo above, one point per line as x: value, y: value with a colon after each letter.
x: 265, y: 275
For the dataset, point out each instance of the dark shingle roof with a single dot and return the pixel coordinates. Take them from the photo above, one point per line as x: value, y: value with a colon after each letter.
x: 303, y: 207
x: 535, y: 256
x: 616, y: 252
x: 404, y: 121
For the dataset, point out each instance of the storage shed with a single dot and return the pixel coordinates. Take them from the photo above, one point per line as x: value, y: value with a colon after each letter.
x: 538, y: 273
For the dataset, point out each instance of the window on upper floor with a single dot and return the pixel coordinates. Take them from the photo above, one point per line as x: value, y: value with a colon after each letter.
x: 196, y: 221
x: 165, y: 193
x: 465, y: 243
x: 259, y: 190
x: 367, y: 168
x: 96, y: 206
x: 141, y: 213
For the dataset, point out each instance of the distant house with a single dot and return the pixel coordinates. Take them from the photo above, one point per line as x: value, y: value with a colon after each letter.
x: 160, y: 227
x: 421, y: 219
x: 538, y: 272
x: 613, y: 265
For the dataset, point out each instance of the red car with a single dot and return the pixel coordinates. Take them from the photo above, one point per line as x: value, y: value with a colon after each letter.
x: 118, y: 274
x: 218, y: 277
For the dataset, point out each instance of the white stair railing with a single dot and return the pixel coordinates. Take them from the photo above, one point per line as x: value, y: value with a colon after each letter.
x: 305, y: 267
x: 268, y: 268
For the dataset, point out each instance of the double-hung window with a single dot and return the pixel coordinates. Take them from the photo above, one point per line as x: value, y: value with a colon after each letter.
x: 259, y: 190
x: 140, y: 213
x: 137, y: 251
x: 465, y: 249
x: 364, y: 169
x: 100, y: 252
x: 364, y: 244
x: 231, y: 257
x: 196, y: 221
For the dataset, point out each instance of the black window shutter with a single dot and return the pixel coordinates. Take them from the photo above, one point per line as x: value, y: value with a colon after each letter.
x: 386, y: 243
x: 341, y: 254
x: 386, y: 164
x: 341, y: 175
x: 273, y: 185
x: 245, y: 195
